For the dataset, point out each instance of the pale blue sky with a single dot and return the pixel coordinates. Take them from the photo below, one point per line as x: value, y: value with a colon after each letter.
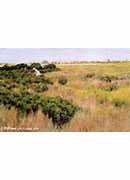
x: 16, y: 55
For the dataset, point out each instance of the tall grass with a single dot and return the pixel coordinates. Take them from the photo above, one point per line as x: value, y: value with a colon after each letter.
x: 101, y: 108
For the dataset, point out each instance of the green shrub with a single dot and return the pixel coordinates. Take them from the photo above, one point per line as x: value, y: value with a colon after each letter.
x: 21, y: 66
x: 41, y: 87
x: 89, y: 75
x: 36, y: 65
x: 6, y: 67
x: 49, y: 68
x: 59, y: 110
x: 63, y: 81
x: 108, y: 78
x: 119, y: 102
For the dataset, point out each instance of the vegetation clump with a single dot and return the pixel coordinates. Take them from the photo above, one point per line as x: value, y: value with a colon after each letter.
x: 22, y: 66
x: 41, y: 87
x: 37, y: 66
x: 22, y: 75
x: 14, y: 93
x: 119, y: 102
x: 59, y: 110
x: 108, y: 78
x: 6, y: 67
x: 89, y: 75
x: 63, y: 81
x: 49, y: 68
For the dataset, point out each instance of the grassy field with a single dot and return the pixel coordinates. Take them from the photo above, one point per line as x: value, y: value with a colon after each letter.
x: 100, y: 90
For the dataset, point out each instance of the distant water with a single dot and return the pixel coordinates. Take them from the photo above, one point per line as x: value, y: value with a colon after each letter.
x: 16, y: 55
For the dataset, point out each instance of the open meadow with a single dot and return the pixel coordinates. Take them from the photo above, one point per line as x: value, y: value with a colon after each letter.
x: 87, y: 97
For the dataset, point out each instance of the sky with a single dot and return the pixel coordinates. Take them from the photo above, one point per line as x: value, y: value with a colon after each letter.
x: 18, y: 55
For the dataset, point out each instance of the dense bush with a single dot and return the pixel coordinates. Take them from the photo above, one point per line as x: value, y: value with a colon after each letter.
x: 14, y: 71
x: 27, y: 103
x: 89, y: 75
x: 15, y: 82
x: 21, y: 75
x: 36, y: 65
x: 21, y: 66
x: 63, y: 81
x: 41, y: 87
x: 59, y: 110
x: 6, y: 67
x: 49, y: 68
x: 108, y: 78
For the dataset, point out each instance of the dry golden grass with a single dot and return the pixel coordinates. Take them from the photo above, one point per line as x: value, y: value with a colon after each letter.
x: 93, y: 115
x: 97, y: 112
